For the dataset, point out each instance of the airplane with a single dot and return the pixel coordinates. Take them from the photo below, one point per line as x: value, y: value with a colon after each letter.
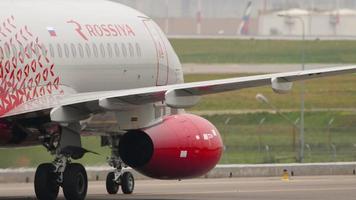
x: 63, y: 62
x: 245, y: 22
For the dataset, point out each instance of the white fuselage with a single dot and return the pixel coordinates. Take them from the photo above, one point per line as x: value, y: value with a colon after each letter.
x: 84, y: 46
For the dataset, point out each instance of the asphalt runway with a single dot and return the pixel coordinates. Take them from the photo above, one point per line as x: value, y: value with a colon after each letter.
x: 316, y: 188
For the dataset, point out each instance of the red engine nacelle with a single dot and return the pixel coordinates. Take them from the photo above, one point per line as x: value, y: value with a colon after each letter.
x: 182, y: 146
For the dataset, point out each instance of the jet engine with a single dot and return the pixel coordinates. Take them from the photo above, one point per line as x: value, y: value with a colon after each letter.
x: 181, y: 146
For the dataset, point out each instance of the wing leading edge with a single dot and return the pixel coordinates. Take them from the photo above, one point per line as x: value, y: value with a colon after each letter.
x: 176, y: 96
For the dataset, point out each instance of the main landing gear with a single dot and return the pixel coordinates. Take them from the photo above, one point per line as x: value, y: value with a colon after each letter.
x: 64, y: 143
x: 118, y: 178
x: 73, y: 180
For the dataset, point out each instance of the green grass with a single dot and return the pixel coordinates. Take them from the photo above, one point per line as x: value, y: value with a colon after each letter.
x: 33, y: 156
x: 241, y: 137
x: 263, y: 51
x: 246, y: 141
x: 318, y: 95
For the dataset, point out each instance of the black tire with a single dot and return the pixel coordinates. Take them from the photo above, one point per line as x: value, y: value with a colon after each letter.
x: 111, y: 186
x: 75, y: 182
x: 127, y: 183
x: 46, y: 186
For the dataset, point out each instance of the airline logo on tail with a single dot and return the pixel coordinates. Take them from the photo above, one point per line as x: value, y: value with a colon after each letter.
x: 244, y: 26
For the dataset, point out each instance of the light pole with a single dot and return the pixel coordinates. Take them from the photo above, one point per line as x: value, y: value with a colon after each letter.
x: 199, y: 16
x: 166, y: 23
x: 260, y: 134
x: 295, y: 129
x: 224, y: 135
x: 329, y: 133
x: 302, y: 90
x: 261, y: 98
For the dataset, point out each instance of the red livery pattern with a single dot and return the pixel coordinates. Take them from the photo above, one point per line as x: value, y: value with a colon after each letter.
x: 102, y: 30
x: 26, y: 72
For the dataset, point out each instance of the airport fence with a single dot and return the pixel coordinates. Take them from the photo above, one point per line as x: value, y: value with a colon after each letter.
x: 329, y: 137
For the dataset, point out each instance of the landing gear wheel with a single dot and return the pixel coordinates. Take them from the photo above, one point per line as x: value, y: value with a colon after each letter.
x: 112, y: 187
x: 46, y: 186
x: 127, y: 183
x: 75, y: 182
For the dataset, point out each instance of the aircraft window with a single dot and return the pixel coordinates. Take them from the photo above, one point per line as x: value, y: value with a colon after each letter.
x: 37, y: 50
x: 1, y: 53
x: 95, y: 50
x: 66, y: 50
x: 59, y: 49
x: 29, y: 51
x: 44, y: 50
x: 87, y: 48
x: 102, y: 50
x: 117, y: 50
x: 74, y: 50
x: 51, y: 50
x: 131, y: 50
x: 14, y: 50
x: 124, y: 50
x: 22, y: 51
x: 108, y: 46
x: 7, y: 50
x: 138, y: 50
x: 81, y: 51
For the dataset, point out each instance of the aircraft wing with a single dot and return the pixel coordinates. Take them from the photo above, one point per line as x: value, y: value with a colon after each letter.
x: 176, y: 96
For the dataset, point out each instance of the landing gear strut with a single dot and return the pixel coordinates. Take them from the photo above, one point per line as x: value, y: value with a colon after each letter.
x: 65, y: 144
x: 118, y: 178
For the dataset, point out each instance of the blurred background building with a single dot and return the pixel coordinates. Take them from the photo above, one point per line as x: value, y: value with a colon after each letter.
x: 328, y: 18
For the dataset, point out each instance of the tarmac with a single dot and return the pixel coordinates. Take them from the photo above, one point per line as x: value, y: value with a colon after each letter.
x: 311, y: 187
